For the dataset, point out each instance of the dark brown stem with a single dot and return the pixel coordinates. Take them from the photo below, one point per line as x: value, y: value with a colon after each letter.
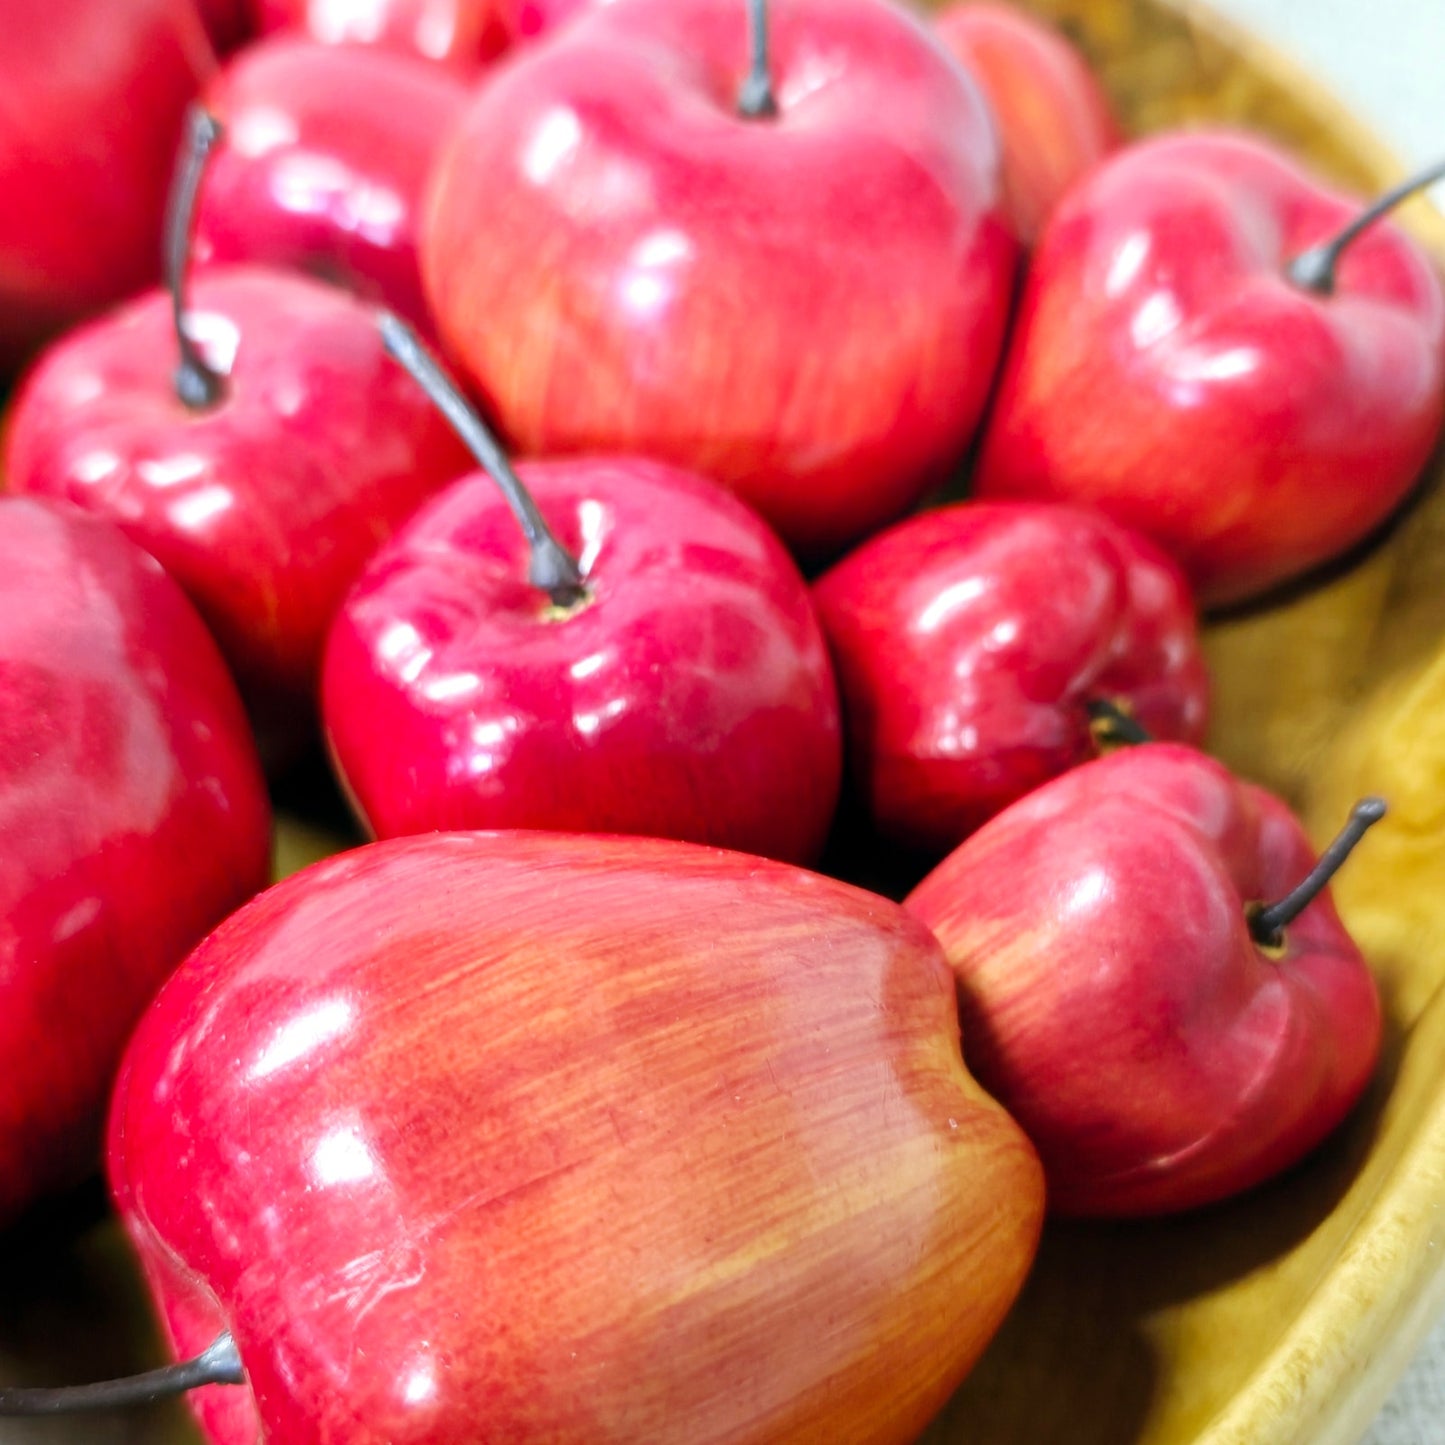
x: 1113, y: 727
x: 756, y: 99
x: 552, y: 568
x: 197, y: 383
x: 1267, y: 924
x: 1315, y: 269
x: 220, y: 1364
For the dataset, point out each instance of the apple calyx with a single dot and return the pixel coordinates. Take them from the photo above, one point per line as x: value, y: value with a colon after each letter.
x: 552, y: 567
x: 756, y: 100
x: 1315, y: 268
x: 1112, y: 725
x: 218, y: 1364
x: 1267, y: 922
x: 198, y: 384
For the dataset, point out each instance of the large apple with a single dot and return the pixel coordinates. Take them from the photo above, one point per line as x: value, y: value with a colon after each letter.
x: 806, y: 306
x: 1164, y: 1033
x: 520, y: 1136
x: 133, y: 818
x: 91, y: 98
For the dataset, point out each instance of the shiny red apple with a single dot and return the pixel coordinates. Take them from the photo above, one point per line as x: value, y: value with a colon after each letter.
x: 979, y: 646
x: 518, y: 1136
x: 680, y: 688
x: 253, y: 436
x: 1054, y: 120
x: 1169, y: 369
x: 460, y: 34
x: 806, y: 306
x: 133, y: 818
x: 91, y: 98
x: 325, y: 153
x: 1162, y: 1041
x: 229, y: 22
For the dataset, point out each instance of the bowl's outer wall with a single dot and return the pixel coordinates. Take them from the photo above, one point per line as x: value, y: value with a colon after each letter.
x: 1280, y: 1319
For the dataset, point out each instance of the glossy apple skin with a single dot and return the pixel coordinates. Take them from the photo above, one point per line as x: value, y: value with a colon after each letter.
x: 531, y: 19
x: 459, y: 34
x: 1054, y: 120
x: 266, y: 506
x: 1165, y: 371
x: 91, y: 98
x: 970, y: 641
x: 321, y: 168
x: 808, y: 309
x: 1114, y: 1001
x: 521, y: 1136
x: 692, y: 698
x: 133, y: 818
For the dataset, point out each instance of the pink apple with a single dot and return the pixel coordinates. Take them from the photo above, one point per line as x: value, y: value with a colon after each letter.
x: 133, y: 818
x: 1169, y: 370
x: 265, y: 504
x: 527, y: 1137
x: 1124, y: 1000
x: 976, y: 644
x: 676, y: 684
x: 806, y: 307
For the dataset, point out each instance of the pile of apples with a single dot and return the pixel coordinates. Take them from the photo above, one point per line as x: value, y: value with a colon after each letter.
x: 560, y: 408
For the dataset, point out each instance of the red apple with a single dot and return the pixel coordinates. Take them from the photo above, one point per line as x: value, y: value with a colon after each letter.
x: 531, y: 19
x: 680, y: 688
x: 806, y: 307
x: 461, y: 34
x: 1162, y: 1043
x: 321, y: 166
x: 1168, y: 369
x: 254, y: 438
x: 1053, y: 116
x: 976, y: 645
x: 93, y: 95
x: 518, y: 1136
x: 133, y: 818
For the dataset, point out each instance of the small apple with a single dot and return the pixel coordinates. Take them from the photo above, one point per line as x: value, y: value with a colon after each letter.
x: 1191, y: 362
x: 978, y: 646
x: 1163, y: 1033
x: 773, y: 257
x: 673, y: 682
x: 517, y: 1136
x: 133, y: 818
x: 323, y: 156
x: 1054, y: 120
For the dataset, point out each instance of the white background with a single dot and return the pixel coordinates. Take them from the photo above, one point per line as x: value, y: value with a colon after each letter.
x: 1386, y: 60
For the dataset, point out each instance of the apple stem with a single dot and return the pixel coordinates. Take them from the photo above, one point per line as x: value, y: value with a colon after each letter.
x: 756, y: 100
x: 1267, y: 924
x: 198, y: 385
x: 1112, y: 727
x: 1315, y: 269
x: 219, y: 1364
x: 552, y: 568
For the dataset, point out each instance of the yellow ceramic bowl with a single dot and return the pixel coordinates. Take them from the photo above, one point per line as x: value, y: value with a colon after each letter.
x: 1279, y: 1319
